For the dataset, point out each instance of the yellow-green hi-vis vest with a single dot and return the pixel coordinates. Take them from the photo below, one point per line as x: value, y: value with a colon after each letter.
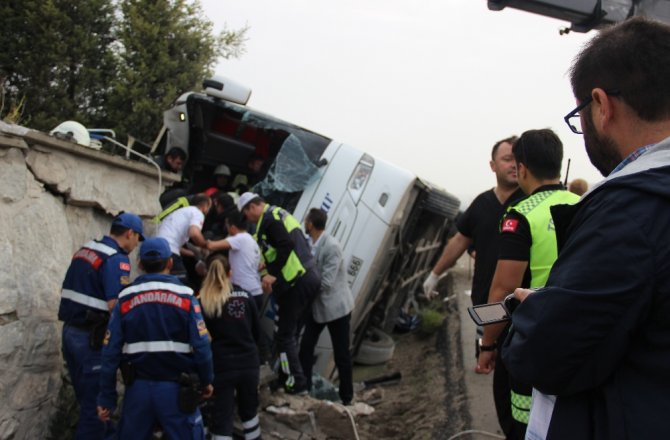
x: 181, y: 202
x: 293, y: 267
x: 543, y: 254
x: 543, y: 250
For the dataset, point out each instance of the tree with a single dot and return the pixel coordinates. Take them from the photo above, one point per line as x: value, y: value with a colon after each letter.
x: 166, y: 48
x: 105, y: 63
x: 56, y: 55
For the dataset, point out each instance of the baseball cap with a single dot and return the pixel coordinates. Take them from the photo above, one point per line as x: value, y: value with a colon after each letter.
x: 222, y: 170
x: 130, y: 221
x: 245, y: 199
x: 154, y: 249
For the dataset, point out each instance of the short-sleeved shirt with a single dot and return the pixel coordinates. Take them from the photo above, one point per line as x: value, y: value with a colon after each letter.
x: 481, y: 223
x: 174, y: 228
x: 245, y: 257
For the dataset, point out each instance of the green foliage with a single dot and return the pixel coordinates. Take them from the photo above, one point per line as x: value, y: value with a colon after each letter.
x: 431, y: 321
x: 105, y: 63
x: 56, y: 55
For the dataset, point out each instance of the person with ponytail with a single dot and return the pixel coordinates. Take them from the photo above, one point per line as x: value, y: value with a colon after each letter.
x: 232, y: 320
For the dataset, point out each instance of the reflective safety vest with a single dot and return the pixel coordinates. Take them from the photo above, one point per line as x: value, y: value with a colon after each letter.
x: 181, y: 202
x: 521, y: 407
x: 543, y: 254
x: 293, y: 268
x: 536, y: 210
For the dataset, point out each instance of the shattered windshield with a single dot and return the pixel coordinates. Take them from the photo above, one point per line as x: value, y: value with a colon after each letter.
x: 295, y: 166
x: 291, y: 171
x: 225, y: 133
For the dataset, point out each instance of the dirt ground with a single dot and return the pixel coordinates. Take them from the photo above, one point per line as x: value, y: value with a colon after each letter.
x: 430, y: 401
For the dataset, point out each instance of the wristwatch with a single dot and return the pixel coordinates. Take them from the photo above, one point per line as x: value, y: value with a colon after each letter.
x: 487, y: 347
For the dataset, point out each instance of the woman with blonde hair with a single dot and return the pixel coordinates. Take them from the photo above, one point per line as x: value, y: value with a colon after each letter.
x: 232, y: 320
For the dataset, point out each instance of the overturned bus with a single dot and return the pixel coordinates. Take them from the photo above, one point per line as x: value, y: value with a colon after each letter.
x: 391, y: 224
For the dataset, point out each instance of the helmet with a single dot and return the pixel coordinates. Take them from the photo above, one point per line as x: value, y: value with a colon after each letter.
x: 72, y: 131
x: 222, y: 170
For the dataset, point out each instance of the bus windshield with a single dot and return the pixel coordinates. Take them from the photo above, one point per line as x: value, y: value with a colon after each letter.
x: 225, y: 133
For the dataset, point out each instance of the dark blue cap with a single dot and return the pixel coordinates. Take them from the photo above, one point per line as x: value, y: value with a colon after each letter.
x: 130, y: 221
x: 155, y: 248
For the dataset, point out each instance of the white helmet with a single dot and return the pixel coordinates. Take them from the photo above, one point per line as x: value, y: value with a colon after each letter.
x: 222, y: 170
x: 72, y: 131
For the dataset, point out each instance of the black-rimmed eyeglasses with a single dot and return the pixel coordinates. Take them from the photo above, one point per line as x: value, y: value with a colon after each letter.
x: 573, y: 118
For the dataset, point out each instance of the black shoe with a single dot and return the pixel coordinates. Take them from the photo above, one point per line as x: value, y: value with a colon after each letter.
x: 297, y: 390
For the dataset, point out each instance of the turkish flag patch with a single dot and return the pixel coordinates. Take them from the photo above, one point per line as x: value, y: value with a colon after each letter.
x: 124, y: 266
x: 510, y: 225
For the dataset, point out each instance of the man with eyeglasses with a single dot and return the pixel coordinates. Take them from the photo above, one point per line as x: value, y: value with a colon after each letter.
x: 527, y: 249
x: 596, y: 339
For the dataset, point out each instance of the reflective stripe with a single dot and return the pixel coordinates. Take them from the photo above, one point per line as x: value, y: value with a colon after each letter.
x: 252, y: 430
x: 250, y: 423
x: 221, y: 437
x: 156, y: 285
x: 156, y: 346
x: 520, y: 407
x: 253, y: 435
x: 86, y: 300
x: 100, y: 247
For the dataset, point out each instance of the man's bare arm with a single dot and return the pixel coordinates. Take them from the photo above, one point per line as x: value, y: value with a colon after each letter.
x: 456, y: 246
x: 195, y: 234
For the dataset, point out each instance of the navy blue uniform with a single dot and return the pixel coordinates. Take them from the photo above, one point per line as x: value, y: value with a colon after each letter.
x: 157, y: 326
x: 97, y: 273
x: 236, y: 366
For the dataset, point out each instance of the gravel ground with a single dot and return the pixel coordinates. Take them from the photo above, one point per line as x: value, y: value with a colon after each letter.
x: 433, y: 400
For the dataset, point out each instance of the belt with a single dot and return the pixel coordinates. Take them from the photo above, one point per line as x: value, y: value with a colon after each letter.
x: 81, y: 326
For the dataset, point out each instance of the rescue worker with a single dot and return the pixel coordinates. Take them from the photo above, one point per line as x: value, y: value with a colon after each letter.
x: 290, y: 274
x: 222, y: 177
x: 178, y: 228
x: 158, y: 338
x: 527, y: 247
x: 232, y: 320
x: 98, y: 271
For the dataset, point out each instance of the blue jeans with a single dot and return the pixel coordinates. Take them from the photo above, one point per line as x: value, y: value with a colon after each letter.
x: 83, y: 365
x: 151, y: 402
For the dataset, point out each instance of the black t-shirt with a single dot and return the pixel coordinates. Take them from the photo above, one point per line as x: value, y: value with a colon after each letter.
x: 481, y: 223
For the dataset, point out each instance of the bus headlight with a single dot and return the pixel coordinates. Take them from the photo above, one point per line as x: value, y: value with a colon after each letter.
x: 359, y: 178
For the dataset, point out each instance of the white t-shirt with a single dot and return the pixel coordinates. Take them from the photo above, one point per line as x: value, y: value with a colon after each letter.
x: 245, y: 257
x: 174, y: 228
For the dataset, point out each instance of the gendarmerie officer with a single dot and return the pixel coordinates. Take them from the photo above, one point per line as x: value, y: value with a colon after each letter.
x: 97, y: 273
x: 158, y: 338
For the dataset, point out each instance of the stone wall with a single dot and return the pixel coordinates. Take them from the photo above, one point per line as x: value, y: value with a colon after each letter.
x: 54, y: 196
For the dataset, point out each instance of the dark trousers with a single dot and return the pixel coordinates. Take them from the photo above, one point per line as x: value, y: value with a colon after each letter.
x: 244, y: 384
x: 501, y: 397
x: 148, y: 403
x: 339, y: 336
x: 264, y: 341
x: 83, y: 365
x: 178, y: 269
x: 291, y: 305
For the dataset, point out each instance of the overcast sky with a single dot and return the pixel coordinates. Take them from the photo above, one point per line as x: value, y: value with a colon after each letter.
x: 427, y: 85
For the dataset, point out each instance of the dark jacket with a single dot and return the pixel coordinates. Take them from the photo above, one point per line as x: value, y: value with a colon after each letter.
x: 234, y: 333
x: 272, y: 233
x: 598, y: 336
